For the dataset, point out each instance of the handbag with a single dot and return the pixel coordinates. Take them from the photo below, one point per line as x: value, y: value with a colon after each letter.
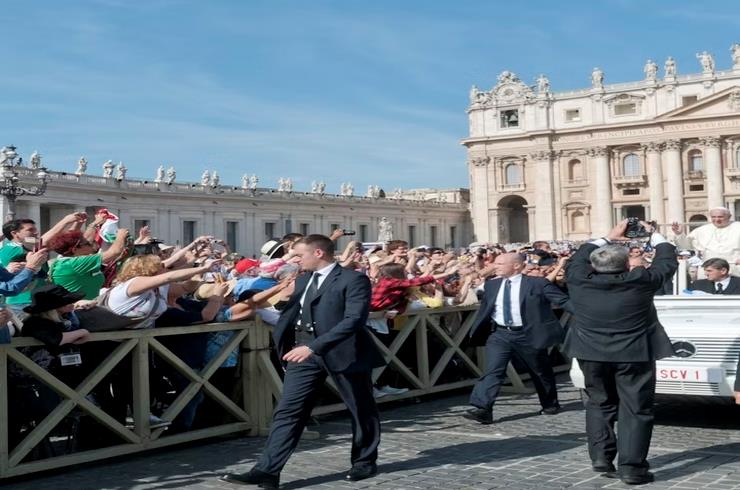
x: 102, y: 319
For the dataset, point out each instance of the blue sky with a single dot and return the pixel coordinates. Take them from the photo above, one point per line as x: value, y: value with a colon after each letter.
x: 372, y: 92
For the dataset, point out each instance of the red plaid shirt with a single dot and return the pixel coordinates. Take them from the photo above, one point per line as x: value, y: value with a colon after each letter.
x: 389, y: 292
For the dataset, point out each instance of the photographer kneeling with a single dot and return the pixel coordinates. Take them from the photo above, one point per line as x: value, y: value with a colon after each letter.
x: 616, y: 338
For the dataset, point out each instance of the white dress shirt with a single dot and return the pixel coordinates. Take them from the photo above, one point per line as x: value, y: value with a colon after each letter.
x: 725, y: 283
x: 322, y: 273
x: 516, y: 314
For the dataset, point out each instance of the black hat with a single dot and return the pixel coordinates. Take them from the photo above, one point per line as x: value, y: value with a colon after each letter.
x: 51, y: 297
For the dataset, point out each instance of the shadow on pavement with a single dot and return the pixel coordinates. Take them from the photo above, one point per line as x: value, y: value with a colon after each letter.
x: 692, y: 457
x: 471, y: 453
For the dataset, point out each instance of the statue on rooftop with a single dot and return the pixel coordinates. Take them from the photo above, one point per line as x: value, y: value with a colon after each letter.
x: 670, y: 67
x: 108, y: 167
x: 597, y: 78
x: 121, y: 171
x: 81, y: 166
x: 543, y: 85
x: 35, y: 163
x: 651, y: 70
x: 707, y: 62
x: 171, y: 175
x: 735, y: 50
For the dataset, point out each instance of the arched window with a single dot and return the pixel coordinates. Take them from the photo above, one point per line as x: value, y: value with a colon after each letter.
x: 697, y: 220
x: 696, y: 161
x: 578, y: 221
x: 631, y: 165
x: 513, y: 174
x: 575, y: 170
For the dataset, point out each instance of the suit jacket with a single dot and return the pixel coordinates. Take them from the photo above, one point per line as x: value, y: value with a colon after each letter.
x: 708, y: 286
x: 615, y: 318
x: 339, y: 312
x: 536, y: 297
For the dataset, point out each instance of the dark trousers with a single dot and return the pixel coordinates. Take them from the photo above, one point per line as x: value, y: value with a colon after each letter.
x: 623, y: 392
x: 300, y: 388
x: 500, y: 346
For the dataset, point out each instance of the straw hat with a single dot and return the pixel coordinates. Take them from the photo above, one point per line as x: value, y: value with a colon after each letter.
x: 206, y: 290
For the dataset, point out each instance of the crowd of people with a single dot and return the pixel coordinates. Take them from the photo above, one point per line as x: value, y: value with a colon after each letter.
x: 84, y: 276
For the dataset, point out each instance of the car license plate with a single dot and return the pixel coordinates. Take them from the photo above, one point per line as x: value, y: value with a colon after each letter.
x: 689, y: 374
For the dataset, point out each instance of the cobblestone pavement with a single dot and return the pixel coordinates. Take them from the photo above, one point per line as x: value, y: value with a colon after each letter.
x: 428, y: 445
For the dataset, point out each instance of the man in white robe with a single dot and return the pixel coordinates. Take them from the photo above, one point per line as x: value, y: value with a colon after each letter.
x: 718, y: 239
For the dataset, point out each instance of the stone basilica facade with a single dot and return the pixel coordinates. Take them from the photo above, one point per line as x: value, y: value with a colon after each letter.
x: 567, y: 165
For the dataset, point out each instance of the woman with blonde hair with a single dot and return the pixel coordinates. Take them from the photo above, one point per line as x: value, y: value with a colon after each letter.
x: 141, y: 287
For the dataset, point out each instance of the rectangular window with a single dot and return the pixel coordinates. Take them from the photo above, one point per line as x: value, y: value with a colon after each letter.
x: 412, y: 236
x: 363, y: 233
x: 188, y: 232
x: 696, y: 187
x: 453, y: 236
x: 334, y: 226
x: 288, y: 226
x: 304, y: 229
x: 573, y: 115
x: 433, y: 236
x: 269, y: 230
x: 624, y: 109
x: 689, y: 99
x: 232, y: 233
x: 139, y: 224
x: 631, y: 192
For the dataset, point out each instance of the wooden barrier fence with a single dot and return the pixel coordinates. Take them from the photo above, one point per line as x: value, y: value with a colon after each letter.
x: 445, y: 329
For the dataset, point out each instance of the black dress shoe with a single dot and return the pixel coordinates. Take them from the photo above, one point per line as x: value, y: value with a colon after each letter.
x: 253, y: 477
x: 550, y: 410
x: 361, y: 471
x: 479, y: 415
x: 637, y: 479
x: 603, y: 467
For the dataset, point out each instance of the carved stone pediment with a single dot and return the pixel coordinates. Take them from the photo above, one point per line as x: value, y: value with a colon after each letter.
x: 725, y: 102
x: 511, y: 90
x: 613, y: 101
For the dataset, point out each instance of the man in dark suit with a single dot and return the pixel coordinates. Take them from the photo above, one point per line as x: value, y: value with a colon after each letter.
x: 515, y: 316
x: 718, y: 279
x: 616, y: 338
x: 321, y: 333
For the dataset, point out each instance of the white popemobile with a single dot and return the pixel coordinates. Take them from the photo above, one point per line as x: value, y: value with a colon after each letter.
x: 705, y: 332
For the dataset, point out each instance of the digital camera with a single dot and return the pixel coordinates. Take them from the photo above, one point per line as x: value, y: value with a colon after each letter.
x: 636, y: 230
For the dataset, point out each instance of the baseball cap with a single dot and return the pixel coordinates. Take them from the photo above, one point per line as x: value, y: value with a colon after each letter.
x: 245, y: 264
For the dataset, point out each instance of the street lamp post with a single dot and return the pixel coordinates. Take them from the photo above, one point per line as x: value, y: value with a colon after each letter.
x: 10, y: 186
